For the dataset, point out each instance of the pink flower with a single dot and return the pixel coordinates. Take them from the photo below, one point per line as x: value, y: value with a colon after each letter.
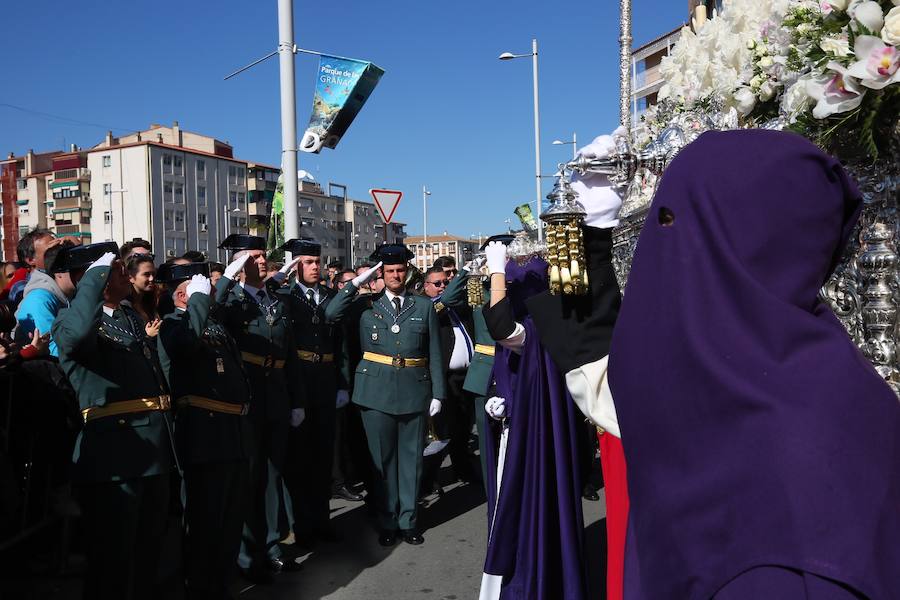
x: 834, y: 92
x: 878, y: 65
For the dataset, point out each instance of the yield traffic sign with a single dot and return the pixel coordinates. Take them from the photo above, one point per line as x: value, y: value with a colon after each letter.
x: 387, y: 202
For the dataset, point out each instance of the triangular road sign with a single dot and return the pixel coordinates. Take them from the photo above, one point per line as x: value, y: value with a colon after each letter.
x: 387, y: 202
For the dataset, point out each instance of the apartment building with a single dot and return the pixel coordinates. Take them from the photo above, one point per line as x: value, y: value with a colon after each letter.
x: 462, y: 249
x: 261, y: 183
x: 23, y: 189
x: 68, y: 196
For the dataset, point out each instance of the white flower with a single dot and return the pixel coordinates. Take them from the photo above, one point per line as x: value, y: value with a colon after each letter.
x: 765, y: 62
x: 746, y: 101
x: 838, y: 4
x: 878, y: 65
x: 766, y: 91
x: 795, y: 100
x: 891, y: 32
x: 834, y: 92
x: 870, y: 16
x: 836, y: 46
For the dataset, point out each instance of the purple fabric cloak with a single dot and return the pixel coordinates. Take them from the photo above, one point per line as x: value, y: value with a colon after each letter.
x: 755, y: 431
x: 536, y: 543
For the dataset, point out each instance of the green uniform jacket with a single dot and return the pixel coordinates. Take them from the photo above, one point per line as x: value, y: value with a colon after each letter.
x: 478, y: 377
x: 320, y: 337
x: 105, y: 361
x: 393, y: 390
x: 275, y: 391
x: 200, y: 358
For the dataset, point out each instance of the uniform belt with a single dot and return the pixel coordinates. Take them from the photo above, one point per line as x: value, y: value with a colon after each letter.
x: 126, y: 406
x: 313, y: 357
x: 484, y: 349
x: 214, y: 405
x: 395, y: 361
x: 262, y: 361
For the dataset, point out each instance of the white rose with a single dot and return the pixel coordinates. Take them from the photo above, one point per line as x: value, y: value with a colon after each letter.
x: 840, y: 4
x: 836, y: 46
x: 746, y: 101
x: 795, y: 100
x: 870, y: 16
x: 766, y: 91
x: 765, y: 62
x: 891, y: 32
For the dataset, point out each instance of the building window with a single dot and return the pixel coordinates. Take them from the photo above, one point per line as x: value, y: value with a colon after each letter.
x: 201, y: 195
x: 232, y: 200
x: 241, y: 174
x: 179, y: 193
x: 167, y: 191
x: 201, y: 169
x: 178, y: 166
x: 201, y: 222
x: 179, y: 220
x: 107, y: 191
x: 107, y: 160
x: 21, y: 184
x: 241, y: 202
x: 107, y: 217
x: 167, y: 163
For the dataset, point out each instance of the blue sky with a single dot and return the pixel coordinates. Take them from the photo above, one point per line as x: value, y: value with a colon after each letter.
x: 447, y: 113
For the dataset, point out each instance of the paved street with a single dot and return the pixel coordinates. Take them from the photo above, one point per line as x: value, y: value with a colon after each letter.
x: 447, y: 567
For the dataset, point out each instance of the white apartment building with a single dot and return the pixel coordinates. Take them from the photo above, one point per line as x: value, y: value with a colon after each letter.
x: 461, y: 249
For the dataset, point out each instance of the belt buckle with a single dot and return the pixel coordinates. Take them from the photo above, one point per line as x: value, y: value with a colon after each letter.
x: 269, y: 361
x: 245, y: 408
x: 316, y: 357
x: 397, y: 362
x: 164, y: 402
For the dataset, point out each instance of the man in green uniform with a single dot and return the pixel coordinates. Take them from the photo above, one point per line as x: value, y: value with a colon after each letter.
x: 260, y: 322
x: 124, y: 455
x: 325, y: 387
x: 478, y: 376
x: 398, y: 381
x: 211, y: 394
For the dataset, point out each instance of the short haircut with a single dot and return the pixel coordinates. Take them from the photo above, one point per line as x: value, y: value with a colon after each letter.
x: 216, y: 267
x: 127, y: 247
x: 433, y: 270
x: 335, y: 264
x: 340, y: 274
x: 444, y: 262
x: 25, y: 247
x: 364, y: 265
x: 194, y: 256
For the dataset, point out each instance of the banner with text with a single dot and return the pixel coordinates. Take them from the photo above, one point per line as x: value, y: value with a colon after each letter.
x: 526, y: 217
x: 342, y: 88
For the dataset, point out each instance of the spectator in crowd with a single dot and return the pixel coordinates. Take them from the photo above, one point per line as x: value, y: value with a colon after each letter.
x: 334, y: 267
x: 7, y: 270
x: 195, y: 256
x: 342, y: 278
x: 135, y: 246
x: 215, y: 272
x: 376, y: 285
x: 44, y: 295
x: 30, y: 252
x: 448, y: 265
x: 142, y: 276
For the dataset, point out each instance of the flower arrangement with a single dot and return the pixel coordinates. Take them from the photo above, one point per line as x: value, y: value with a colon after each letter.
x: 829, y: 69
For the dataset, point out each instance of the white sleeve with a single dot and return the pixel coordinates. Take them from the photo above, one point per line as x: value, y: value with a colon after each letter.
x: 516, y: 340
x: 589, y: 387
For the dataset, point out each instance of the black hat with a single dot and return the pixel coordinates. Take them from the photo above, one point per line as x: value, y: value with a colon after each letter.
x: 239, y: 241
x: 73, y: 258
x: 392, y: 254
x: 505, y: 238
x: 302, y: 247
x: 175, y: 274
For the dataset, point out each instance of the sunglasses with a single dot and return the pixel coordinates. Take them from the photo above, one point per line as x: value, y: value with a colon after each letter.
x: 441, y: 283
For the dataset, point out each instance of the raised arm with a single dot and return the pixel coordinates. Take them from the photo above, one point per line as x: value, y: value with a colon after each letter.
x: 76, y: 330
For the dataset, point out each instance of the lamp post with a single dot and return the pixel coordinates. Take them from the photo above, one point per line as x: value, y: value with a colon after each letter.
x: 574, y: 143
x: 425, y: 194
x: 537, y: 128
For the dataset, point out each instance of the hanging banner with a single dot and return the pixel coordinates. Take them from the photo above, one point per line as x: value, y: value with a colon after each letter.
x: 342, y: 88
x: 526, y: 217
x: 275, y: 237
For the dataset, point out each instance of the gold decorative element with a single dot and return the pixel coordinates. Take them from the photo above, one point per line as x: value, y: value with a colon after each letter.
x: 475, y: 291
x: 565, y: 253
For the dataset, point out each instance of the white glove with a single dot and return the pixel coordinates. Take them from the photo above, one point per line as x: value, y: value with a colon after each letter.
x: 495, y: 407
x: 297, y: 416
x: 435, y: 407
x: 366, y: 277
x: 343, y: 399
x: 104, y: 261
x: 198, y: 284
x: 495, y: 252
x: 235, y: 267
x: 594, y: 191
x: 283, y: 272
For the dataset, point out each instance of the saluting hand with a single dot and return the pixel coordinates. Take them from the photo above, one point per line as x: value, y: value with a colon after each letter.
x: 235, y: 267
x: 199, y: 284
x: 366, y: 276
x: 284, y: 271
x: 104, y: 261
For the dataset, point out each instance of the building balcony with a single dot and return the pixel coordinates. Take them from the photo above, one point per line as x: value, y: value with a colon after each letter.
x: 647, y: 79
x: 80, y: 174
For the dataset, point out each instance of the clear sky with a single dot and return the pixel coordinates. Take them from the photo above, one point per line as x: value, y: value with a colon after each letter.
x: 446, y: 114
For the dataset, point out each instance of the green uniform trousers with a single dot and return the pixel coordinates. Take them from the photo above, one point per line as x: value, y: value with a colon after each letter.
x: 215, y: 494
x: 125, y: 523
x: 396, y: 443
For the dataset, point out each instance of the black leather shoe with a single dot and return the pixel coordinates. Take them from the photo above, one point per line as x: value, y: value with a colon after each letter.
x: 590, y: 493
x: 345, y: 493
x: 280, y: 565
x: 387, y: 538
x: 412, y: 537
x: 257, y: 576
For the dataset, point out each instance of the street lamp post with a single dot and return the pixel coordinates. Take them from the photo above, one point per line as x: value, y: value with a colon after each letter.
x: 574, y: 143
x: 425, y: 194
x: 537, y: 128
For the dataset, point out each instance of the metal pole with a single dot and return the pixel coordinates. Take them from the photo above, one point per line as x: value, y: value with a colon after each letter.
x: 288, y: 116
x: 425, y: 194
x: 574, y: 145
x: 625, y: 66
x: 537, y: 139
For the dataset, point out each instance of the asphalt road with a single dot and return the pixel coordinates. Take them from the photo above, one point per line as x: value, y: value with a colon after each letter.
x: 447, y: 567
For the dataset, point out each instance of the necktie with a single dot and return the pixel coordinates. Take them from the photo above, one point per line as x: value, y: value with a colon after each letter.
x: 397, y: 304
x: 261, y: 297
x: 312, y: 297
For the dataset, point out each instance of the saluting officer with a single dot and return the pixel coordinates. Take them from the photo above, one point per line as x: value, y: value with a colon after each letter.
x: 325, y: 387
x: 211, y: 393
x: 124, y: 455
x: 398, y: 381
x: 260, y: 322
